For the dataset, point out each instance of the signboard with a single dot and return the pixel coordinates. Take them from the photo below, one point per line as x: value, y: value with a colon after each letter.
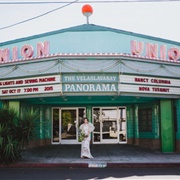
x: 30, y: 81
x: 151, y: 85
x: 43, y: 49
x: 90, y: 83
x: 30, y: 90
x: 33, y: 85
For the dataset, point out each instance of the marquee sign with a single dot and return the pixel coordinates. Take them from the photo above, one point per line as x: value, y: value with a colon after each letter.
x: 30, y: 81
x: 33, y: 85
x: 90, y: 83
x: 30, y: 90
x: 151, y: 85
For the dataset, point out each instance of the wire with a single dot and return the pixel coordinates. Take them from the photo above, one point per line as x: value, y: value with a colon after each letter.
x: 30, y: 19
x: 81, y: 2
x: 68, y: 4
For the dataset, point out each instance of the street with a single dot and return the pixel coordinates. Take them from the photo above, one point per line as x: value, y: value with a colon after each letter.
x: 89, y: 173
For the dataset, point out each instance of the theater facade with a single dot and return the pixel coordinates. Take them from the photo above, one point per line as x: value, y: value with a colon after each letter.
x: 127, y: 84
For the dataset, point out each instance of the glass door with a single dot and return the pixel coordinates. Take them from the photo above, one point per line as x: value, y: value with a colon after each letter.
x: 109, y: 125
x: 69, y: 125
x: 65, y: 123
x: 106, y: 126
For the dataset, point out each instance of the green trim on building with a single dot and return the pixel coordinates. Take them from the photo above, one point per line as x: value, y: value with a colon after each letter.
x: 167, y: 126
x: 155, y: 121
x: 1, y: 104
x: 89, y: 113
x: 48, y: 122
x: 136, y: 122
x: 42, y: 123
x: 129, y: 116
x: 178, y: 119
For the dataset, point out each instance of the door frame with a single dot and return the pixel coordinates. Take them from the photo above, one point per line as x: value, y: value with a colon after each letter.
x: 104, y: 141
x: 77, y: 124
x: 110, y: 141
x: 74, y: 141
x: 58, y: 142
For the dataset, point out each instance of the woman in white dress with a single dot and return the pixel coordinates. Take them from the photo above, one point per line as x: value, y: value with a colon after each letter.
x: 86, y: 129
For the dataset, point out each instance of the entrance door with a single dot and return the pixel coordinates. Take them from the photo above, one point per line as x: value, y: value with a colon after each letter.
x: 69, y: 125
x: 110, y: 125
x: 65, y: 124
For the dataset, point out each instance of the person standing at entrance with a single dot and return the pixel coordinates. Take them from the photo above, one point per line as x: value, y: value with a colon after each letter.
x: 86, y: 129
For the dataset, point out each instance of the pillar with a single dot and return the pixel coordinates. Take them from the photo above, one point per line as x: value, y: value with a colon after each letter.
x: 136, y: 125
x: 167, y: 126
x: 155, y: 122
x: 89, y: 113
x: 1, y: 104
x: 177, y: 125
x: 130, y: 124
x: 42, y: 133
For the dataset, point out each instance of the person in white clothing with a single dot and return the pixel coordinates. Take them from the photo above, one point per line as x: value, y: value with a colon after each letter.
x: 86, y: 129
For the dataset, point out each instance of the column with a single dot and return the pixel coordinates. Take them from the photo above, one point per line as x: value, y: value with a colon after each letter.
x: 136, y: 125
x: 130, y: 124
x: 89, y: 113
x: 177, y: 125
x: 155, y: 122
x: 1, y: 104
x: 167, y: 126
x: 42, y: 123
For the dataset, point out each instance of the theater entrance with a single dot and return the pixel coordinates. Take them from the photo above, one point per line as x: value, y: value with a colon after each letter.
x: 110, y: 125
x: 65, y: 124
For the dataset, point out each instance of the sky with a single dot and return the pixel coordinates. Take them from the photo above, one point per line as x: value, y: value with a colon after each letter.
x: 158, y: 19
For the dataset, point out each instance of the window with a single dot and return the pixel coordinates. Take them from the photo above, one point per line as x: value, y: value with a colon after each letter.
x: 145, y: 119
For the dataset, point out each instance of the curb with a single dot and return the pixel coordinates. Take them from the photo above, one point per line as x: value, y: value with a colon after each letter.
x: 91, y: 165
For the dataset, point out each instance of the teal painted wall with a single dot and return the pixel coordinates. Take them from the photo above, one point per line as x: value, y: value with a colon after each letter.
x: 178, y: 119
x: 1, y: 104
x: 136, y: 122
x: 45, y: 122
x: 167, y: 126
x: 87, y: 42
x: 48, y: 122
x: 133, y: 122
x: 130, y: 122
x: 89, y: 113
x: 42, y: 123
x: 155, y: 134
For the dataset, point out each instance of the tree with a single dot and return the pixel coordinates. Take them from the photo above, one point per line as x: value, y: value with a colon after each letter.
x: 15, y: 133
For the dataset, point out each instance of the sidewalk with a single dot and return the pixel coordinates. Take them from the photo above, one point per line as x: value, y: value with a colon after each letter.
x: 106, y: 155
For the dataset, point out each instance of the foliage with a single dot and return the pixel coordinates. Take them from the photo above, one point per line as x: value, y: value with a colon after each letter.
x: 81, y: 135
x: 15, y: 132
x: 26, y: 125
x: 66, y: 119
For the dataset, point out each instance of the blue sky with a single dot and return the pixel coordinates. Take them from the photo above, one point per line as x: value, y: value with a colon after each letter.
x: 159, y: 19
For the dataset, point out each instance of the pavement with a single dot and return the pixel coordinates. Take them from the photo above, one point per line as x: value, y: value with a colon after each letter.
x: 105, y: 155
